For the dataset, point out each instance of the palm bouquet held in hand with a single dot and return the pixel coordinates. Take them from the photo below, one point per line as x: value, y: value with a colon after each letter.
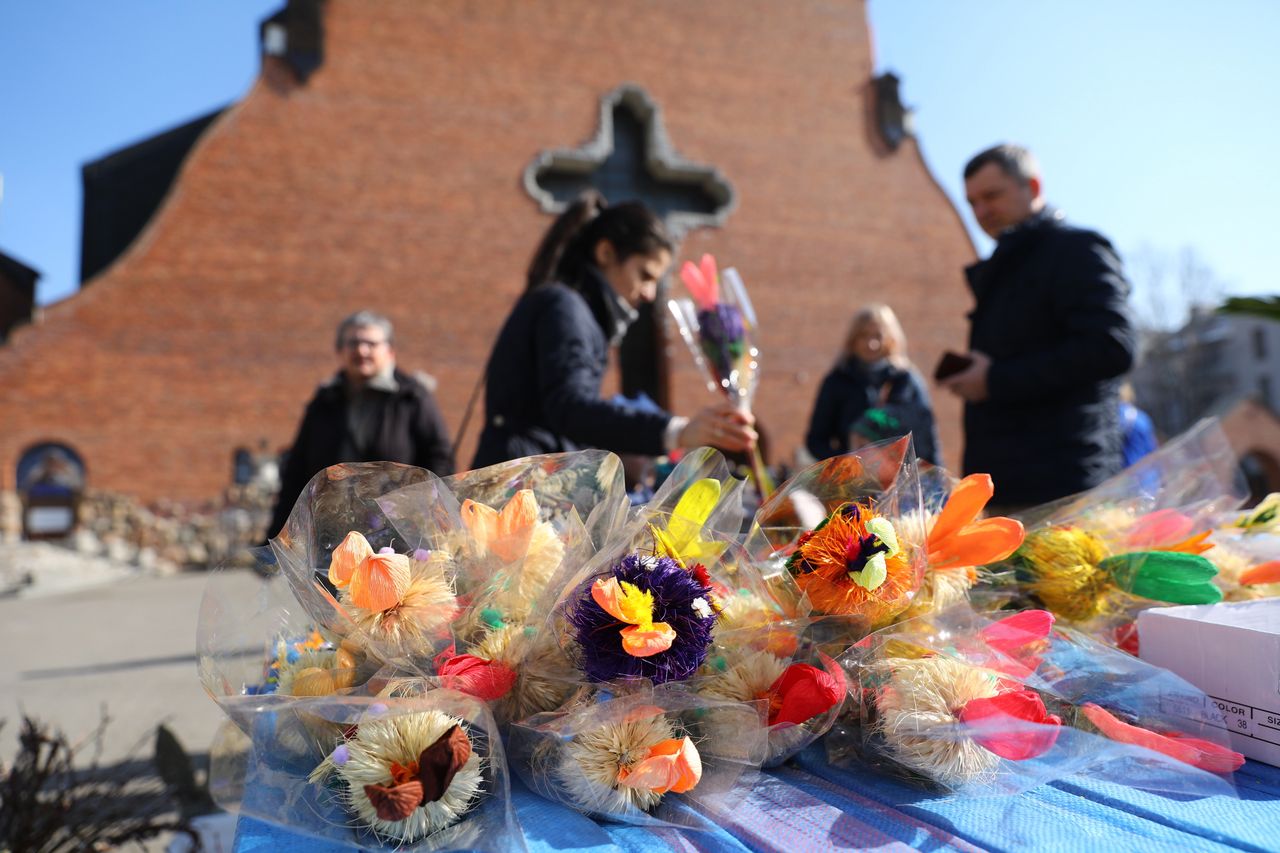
x: 719, y: 326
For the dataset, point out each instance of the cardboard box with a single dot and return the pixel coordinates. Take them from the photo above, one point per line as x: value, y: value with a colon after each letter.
x: 1232, y: 653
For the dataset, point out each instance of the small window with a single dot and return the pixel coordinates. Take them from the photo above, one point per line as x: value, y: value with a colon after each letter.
x: 1260, y: 343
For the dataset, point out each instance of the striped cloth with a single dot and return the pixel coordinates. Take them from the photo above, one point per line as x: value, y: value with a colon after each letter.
x: 808, y: 805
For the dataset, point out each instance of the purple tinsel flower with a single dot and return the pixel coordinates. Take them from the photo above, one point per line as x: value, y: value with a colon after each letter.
x: 721, y: 333
x: 599, y: 635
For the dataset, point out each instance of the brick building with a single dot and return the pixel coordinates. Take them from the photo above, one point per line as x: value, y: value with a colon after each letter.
x: 406, y: 156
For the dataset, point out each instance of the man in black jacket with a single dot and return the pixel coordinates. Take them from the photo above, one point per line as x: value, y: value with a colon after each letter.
x: 1050, y: 335
x: 369, y: 412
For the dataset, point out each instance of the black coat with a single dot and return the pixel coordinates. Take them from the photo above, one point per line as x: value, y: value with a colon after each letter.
x: 1051, y: 310
x: 542, y: 390
x: 851, y: 388
x: 408, y: 428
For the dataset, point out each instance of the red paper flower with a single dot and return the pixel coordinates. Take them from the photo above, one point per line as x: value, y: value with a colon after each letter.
x: 484, y: 679
x: 990, y: 718
x: 1019, y: 638
x: 803, y: 692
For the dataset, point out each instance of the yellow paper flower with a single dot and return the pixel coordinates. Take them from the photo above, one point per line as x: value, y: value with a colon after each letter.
x: 682, y: 538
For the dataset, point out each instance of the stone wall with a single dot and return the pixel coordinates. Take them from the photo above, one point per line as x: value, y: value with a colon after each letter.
x: 161, y: 536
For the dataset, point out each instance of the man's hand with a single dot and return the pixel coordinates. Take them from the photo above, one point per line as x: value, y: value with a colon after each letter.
x: 970, y: 384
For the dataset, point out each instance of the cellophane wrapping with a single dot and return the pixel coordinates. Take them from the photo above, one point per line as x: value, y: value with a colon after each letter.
x: 674, y: 571
x: 1097, y: 558
x: 593, y: 754
x: 320, y: 766
x: 977, y: 705
x: 883, y: 480
x: 513, y: 535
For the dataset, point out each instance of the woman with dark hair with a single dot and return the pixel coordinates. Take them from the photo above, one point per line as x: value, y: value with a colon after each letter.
x: 873, y: 376
x: 595, y: 265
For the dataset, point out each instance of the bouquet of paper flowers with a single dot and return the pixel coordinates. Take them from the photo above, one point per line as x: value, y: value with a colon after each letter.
x: 358, y: 575
x: 1137, y: 540
x: 646, y: 608
x: 426, y: 773
x: 337, y: 613
x: 718, y: 324
x: 848, y: 533
x: 961, y: 702
x: 787, y: 669
x: 511, y: 560
x: 1246, y: 550
x: 627, y: 757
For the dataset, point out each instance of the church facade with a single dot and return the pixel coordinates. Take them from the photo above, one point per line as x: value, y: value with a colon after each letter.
x: 406, y: 157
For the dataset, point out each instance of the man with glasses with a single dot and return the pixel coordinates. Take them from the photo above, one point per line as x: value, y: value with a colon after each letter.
x: 369, y: 412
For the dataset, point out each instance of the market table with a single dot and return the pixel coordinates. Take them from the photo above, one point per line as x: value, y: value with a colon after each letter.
x: 809, y: 805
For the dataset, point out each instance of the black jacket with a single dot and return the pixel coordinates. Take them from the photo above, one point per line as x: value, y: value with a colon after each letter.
x: 407, y: 427
x: 851, y: 388
x: 542, y: 390
x: 1051, y: 310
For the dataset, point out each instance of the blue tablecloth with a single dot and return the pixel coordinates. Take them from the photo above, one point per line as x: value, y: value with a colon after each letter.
x: 808, y: 805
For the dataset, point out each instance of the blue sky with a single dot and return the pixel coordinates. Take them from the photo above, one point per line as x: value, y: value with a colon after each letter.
x: 1155, y: 122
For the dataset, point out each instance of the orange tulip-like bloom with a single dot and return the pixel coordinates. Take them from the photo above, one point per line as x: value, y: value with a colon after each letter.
x: 672, y: 765
x: 960, y: 539
x: 375, y: 581
x: 507, y: 533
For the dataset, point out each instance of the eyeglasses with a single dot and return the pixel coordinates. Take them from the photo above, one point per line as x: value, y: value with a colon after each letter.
x: 357, y: 343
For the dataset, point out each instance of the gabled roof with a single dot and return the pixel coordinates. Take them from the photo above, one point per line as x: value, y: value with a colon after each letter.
x: 123, y: 190
x: 20, y: 274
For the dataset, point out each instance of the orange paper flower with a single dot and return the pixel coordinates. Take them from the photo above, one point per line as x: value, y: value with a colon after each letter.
x: 628, y: 603
x: 1268, y: 572
x: 672, y: 765
x: 852, y: 564
x: 960, y: 539
x: 506, y: 533
x: 376, y: 582
x: 1199, y: 753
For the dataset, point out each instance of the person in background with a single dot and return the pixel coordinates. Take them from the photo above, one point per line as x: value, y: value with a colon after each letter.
x: 891, y: 421
x: 1050, y: 336
x: 873, y: 371
x: 1139, y: 431
x: 594, y: 266
x: 369, y: 412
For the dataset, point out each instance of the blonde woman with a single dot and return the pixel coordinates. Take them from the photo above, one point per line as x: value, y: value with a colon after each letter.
x: 873, y: 372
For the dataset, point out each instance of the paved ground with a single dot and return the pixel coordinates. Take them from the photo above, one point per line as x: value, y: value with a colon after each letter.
x: 126, y: 644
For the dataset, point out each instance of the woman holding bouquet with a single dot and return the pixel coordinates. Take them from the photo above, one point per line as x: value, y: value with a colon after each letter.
x: 595, y: 265
x: 872, y: 375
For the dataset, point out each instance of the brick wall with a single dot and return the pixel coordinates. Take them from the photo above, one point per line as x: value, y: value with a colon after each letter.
x: 392, y: 180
